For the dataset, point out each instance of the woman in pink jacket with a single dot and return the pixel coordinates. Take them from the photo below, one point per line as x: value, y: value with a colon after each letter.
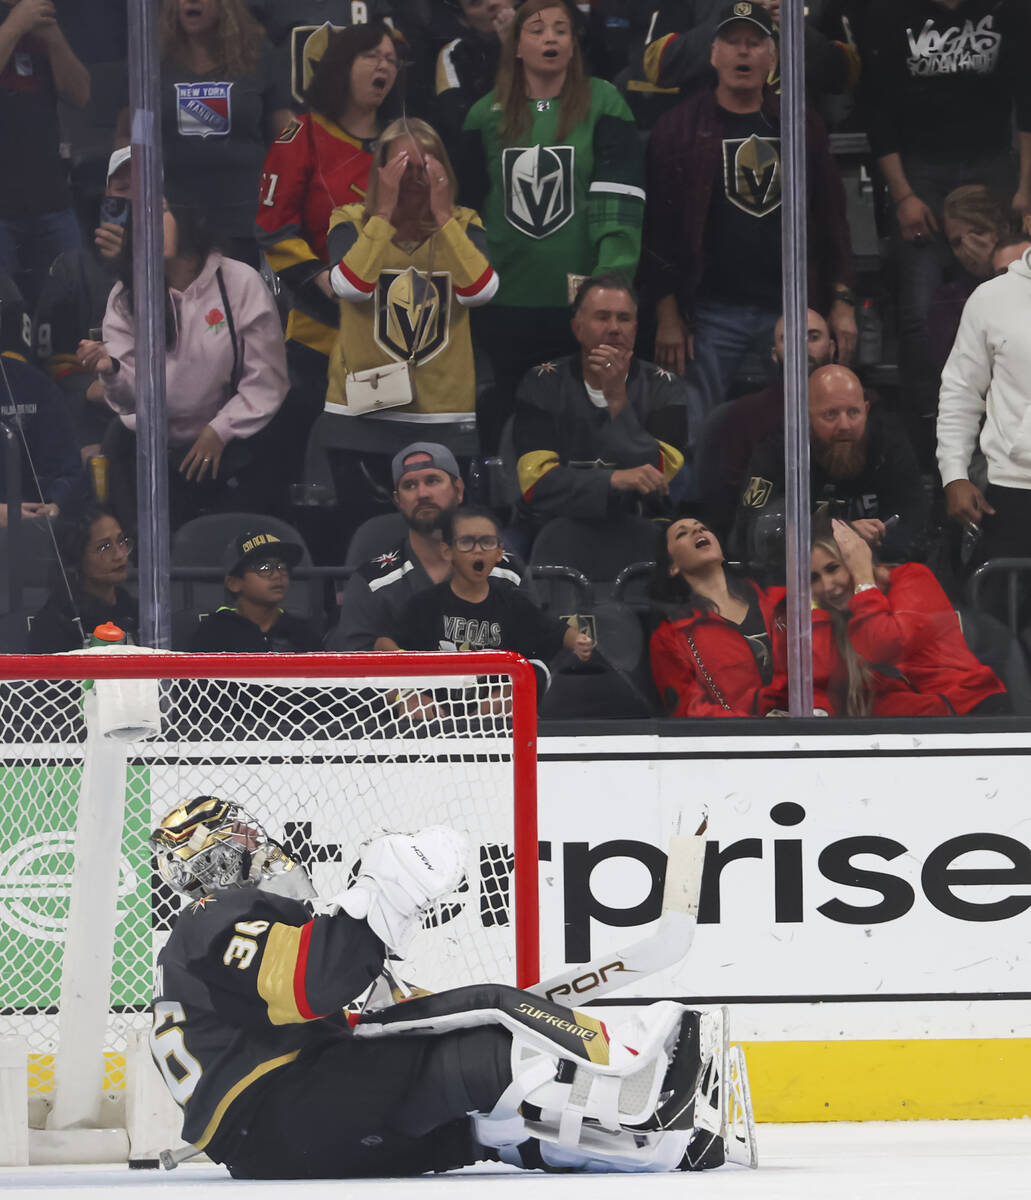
x: 225, y: 371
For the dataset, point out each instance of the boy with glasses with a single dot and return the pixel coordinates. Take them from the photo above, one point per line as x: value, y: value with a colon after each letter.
x: 258, y: 569
x: 472, y: 611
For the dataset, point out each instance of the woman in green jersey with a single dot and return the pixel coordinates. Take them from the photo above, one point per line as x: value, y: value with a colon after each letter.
x: 553, y: 163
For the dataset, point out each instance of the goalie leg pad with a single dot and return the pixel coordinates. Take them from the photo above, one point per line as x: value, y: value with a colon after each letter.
x: 565, y: 1101
x: 604, y: 1152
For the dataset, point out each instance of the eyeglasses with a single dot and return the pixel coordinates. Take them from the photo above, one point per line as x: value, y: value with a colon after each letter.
x: 105, y: 548
x: 377, y: 57
x: 269, y: 566
x: 466, y: 542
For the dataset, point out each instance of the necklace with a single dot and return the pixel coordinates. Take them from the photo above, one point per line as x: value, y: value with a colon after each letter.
x: 543, y: 105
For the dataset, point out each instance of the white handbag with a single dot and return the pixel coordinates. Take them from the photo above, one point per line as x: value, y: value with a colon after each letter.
x: 388, y: 386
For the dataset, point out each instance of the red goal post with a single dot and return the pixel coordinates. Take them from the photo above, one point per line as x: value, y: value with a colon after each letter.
x: 325, y: 749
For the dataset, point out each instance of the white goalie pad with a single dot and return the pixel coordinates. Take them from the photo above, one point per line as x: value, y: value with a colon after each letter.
x: 646, y: 1038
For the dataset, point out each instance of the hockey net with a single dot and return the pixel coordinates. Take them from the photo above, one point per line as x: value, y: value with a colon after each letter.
x: 360, y: 744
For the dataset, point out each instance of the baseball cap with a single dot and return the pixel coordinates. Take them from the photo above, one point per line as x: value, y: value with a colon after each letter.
x: 259, y: 544
x: 118, y: 159
x: 423, y: 456
x: 746, y: 10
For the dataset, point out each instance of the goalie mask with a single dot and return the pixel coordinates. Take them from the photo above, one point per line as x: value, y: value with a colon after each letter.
x: 207, y: 843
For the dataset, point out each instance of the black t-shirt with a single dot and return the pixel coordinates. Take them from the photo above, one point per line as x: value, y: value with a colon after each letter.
x: 226, y: 630
x: 437, y: 619
x: 279, y: 17
x: 742, y: 234
x: 53, y: 629
x: 215, y: 139
x: 34, y: 180
x: 946, y: 80
x: 753, y: 630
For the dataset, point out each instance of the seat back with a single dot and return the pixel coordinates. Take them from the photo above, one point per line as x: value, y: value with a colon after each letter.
x: 202, y: 543
x: 598, y: 549
x: 31, y: 551
x: 991, y: 642
x: 377, y: 535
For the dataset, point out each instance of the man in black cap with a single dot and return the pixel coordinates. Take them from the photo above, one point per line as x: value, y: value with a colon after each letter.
x: 72, y: 304
x: 712, y: 257
x: 427, y: 490
x: 258, y: 566
x: 680, y: 35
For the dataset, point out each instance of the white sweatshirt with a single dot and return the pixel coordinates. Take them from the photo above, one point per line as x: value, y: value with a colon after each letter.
x: 988, y: 375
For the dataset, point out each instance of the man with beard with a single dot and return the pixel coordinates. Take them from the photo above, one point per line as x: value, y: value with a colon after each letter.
x: 427, y: 490
x: 600, y: 432
x: 861, y: 464
x: 734, y: 429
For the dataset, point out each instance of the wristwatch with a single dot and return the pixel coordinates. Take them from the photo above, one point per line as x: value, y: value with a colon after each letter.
x: 863, y: 587
x: 846, y: 296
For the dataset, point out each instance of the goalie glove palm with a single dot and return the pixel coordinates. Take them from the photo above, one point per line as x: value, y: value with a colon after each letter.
x: 401, y: 876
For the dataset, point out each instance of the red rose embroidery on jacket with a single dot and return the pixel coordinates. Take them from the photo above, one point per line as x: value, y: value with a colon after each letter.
x: 215, y: 319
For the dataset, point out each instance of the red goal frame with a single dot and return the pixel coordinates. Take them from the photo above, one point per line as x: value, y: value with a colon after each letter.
x: 327, y: 665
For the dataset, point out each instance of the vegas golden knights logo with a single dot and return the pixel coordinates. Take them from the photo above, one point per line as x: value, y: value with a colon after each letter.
x: 757, y: 493
x: 307, y: 45
x: 751, y: 172
x: 400, y: 313
x: 538, y: 188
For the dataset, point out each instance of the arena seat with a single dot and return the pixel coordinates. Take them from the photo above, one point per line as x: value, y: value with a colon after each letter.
x: 202, y: 543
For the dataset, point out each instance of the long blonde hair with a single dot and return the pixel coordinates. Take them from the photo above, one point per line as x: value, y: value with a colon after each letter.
x: 858, y: 687
x: 510, y: 84
x: 425, y: 136
x: 237, y: 37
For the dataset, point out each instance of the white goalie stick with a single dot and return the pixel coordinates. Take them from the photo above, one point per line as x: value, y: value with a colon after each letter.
x: 665, y: 947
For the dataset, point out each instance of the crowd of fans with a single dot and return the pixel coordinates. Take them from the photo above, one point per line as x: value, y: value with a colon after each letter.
x: 528, y: 255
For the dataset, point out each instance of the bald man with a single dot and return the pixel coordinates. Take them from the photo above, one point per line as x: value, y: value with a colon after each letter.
x: 733, y: 430
x: 860, y: 461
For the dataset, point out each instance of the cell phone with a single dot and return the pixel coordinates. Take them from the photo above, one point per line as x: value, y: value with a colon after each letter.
x: 115, y: 210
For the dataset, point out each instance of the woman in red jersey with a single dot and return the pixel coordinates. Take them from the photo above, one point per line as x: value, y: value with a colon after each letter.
x: 886, y: 639
x: 318, y: 163
x: 716, y: 649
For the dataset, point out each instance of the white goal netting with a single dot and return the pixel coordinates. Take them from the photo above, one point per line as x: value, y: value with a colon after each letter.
x: 324, y: 763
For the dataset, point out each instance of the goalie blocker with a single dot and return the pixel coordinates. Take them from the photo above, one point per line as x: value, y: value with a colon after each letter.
x: 251, y: 1036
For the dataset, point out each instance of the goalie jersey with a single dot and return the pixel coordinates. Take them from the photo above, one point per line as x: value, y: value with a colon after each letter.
x: 247, y: 983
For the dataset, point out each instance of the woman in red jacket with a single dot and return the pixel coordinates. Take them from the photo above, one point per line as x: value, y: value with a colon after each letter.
x: 712, y: 653
x: 888, y: 640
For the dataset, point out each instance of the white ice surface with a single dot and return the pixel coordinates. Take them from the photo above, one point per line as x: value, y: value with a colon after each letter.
x: 907, y: 1160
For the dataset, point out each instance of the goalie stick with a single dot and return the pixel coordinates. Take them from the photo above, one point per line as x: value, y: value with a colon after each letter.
x: 667, y: 946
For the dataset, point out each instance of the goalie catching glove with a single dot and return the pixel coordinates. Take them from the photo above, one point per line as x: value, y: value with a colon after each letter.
x: 400, y: 878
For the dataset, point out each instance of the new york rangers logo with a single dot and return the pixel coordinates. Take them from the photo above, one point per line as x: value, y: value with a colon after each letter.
x: 538, y: 184
x: 204, y: 109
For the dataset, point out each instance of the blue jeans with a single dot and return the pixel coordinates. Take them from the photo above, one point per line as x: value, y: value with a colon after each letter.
x: 723, y: 335
x: 29, y: 245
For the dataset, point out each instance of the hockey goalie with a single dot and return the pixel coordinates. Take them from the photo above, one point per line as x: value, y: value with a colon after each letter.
x: 252, y: 1036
